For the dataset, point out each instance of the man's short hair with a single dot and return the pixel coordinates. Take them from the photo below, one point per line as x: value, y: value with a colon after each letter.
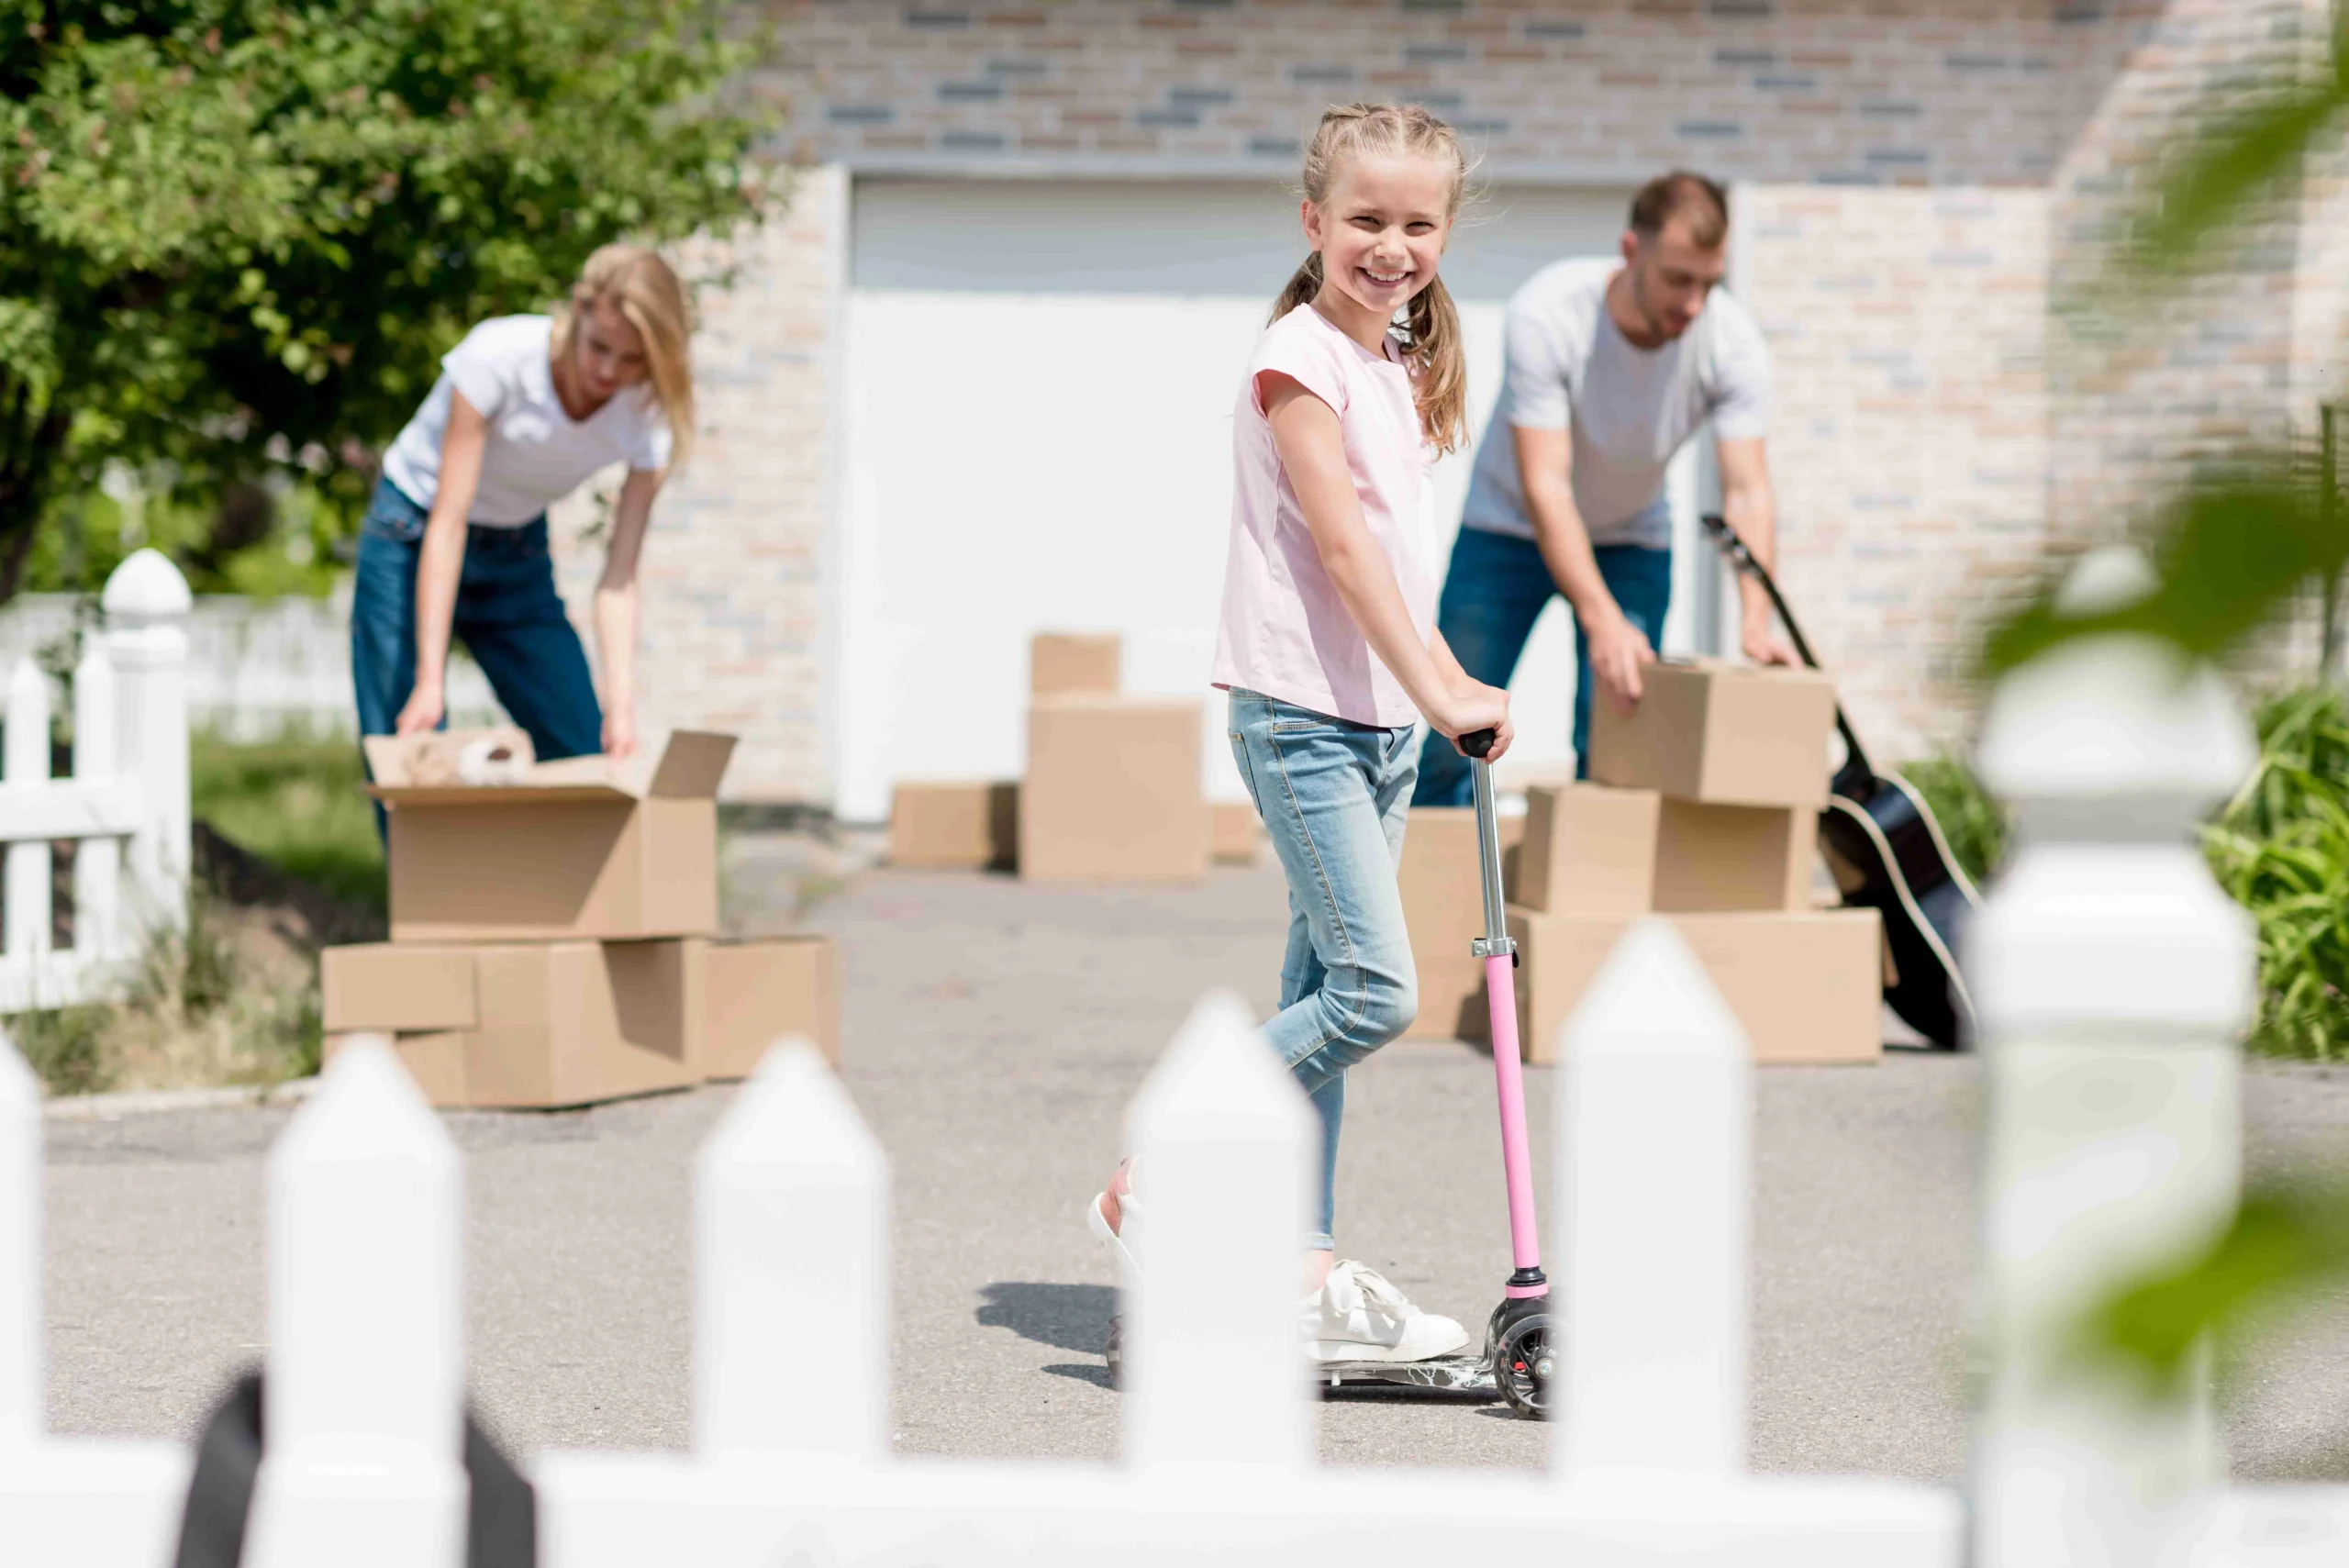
x: 1696, y: 201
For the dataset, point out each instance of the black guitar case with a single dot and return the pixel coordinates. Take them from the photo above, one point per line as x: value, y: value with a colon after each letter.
x: 501, y: 1523
x: 1888, y: 854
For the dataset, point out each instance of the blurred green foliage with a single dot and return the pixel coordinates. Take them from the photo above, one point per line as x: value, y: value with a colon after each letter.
x: 2281, y: 849
x: 237, y: 235
x: 1970, y: 820
x: 299, y: 802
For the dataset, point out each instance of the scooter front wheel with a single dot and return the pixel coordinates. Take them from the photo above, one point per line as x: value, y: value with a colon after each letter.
x: 1527, y: 1364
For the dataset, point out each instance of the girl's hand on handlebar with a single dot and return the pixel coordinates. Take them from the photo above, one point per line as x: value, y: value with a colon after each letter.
x: 1471, y: 708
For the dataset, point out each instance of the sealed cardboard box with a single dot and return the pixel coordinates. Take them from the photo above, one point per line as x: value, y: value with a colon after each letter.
x: 970, y: 825
x: 1588, y: 848
x: 1065, y: 664
x: 1806, y: 985
x: 529, y: 1025
x: 760, y: 989
x: 586, y: 847
x: 1731, y: 734
x: 1734, y: 857
x: 1443, y: 904
x: 1234, y: 832
x: 1112, y: 791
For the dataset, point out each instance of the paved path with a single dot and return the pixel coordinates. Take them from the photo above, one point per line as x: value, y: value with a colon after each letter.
x: 995, y: 1033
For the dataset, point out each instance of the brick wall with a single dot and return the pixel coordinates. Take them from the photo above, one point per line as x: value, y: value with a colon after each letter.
x: 1911, y: 450
x: 1924, y: 184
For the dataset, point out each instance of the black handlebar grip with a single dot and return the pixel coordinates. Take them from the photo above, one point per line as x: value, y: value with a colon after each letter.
x: 1476, y: 742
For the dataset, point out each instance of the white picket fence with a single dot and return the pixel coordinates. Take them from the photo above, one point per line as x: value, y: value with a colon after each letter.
x: 2113, y: 982
x: 124, y: 807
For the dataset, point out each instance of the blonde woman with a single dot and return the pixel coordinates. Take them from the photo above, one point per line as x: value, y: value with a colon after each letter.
x: 455, y: 541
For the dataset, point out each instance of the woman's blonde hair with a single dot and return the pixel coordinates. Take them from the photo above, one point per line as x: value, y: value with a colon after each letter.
x: 1439, y: 363
x: 641, y: 286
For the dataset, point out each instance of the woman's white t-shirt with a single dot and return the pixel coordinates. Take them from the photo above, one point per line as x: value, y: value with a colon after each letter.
x: 536, y: 453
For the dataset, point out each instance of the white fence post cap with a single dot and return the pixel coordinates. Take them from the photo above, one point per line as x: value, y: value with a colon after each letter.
x: 147, y: 588
x: 2117, y: 719
x: 1653, y: 998
x: 794, y: 1115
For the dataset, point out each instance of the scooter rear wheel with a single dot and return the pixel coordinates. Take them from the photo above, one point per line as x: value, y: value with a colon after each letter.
x: 1526, y: 1366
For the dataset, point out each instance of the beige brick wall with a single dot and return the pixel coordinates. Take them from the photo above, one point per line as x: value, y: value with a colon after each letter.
x: 1922, y: 181
x: 1911, y: 447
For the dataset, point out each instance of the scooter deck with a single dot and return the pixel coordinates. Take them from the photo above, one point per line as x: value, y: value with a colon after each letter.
x: 1453, y: 1374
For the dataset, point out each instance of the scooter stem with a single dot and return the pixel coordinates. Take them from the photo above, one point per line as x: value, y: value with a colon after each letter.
x: 1499, y: 954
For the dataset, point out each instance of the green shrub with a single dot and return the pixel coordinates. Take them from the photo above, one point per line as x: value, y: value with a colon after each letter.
x: 297, y: 802
x: 2281, y: 849
x: 1970, y: 820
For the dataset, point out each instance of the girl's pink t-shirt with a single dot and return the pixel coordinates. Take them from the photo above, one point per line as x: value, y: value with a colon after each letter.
x: 1285, y: 632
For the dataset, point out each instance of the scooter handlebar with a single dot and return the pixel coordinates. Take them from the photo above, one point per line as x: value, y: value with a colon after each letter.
x: 1476, y: 742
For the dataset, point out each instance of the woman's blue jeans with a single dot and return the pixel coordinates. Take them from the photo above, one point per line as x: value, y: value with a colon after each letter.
x: 1334, y: 796
x: 1496, y: 587
x: 509, y: 615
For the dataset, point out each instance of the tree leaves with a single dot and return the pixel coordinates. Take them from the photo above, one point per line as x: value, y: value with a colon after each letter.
x: 233, y: 226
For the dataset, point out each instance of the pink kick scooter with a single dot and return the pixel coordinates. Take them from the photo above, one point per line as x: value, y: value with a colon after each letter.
x: 1522, y: 1339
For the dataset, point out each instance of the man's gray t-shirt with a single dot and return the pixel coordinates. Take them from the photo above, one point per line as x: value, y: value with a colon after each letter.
x: 1570, y: 367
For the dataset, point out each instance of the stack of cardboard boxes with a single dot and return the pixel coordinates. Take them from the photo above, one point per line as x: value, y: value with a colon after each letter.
x: 554, y: 931
x: 1111, y: 794
x: 1703, y: 806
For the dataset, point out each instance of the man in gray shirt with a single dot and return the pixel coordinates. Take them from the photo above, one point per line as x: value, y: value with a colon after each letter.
x: 1611, y: 367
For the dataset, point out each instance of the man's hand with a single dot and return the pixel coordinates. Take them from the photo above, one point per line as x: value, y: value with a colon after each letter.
x: 619, y: 734
x: 423, y: 712
x: 1618, y: 650
x: 1764, y: 646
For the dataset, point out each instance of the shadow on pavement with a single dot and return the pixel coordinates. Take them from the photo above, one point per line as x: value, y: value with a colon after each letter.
x: 1066, y: 1316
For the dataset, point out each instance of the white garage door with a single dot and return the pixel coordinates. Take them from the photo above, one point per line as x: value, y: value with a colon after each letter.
x: 1040, y: 384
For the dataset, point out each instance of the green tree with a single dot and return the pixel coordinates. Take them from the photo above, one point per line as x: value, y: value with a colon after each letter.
x: 237, y: 235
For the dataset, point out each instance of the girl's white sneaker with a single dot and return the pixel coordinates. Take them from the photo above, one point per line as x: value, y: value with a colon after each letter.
x: 1359, y: 1316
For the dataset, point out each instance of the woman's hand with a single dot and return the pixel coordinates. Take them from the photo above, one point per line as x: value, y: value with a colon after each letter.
x: 619, y: 734
x: 1470, y: 707
x: 424, y: 711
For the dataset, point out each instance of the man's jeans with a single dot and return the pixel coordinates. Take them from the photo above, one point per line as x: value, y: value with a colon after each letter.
x: 509, y: 615
x: 1495, y: 588
x: 1334, y: 796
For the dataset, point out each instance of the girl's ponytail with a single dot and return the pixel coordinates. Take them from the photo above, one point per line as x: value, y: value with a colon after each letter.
x: 1435, y: 351
x: 1442, y: 390
x: 1303, y: 285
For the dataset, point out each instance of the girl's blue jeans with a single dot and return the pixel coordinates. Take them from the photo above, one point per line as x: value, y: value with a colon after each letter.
x: 508, y: 617
x: 1334, y: 796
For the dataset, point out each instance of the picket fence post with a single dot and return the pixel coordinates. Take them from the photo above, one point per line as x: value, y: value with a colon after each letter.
x: 1655, y: 1112
x: 791, y: 1342
x: 2113, y: 980
x: 25, y: 764
x: 146, y: 602
x: 97, y: 862
x: 1222, y: 1138
x: 364, y: 1398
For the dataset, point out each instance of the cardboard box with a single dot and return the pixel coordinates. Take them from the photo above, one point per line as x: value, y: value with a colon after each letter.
x: 1732, y: 734
x: 1807, y: 986
x: 1112, y: 791
x: 973, y: 825
x: 535, y: 1025
x: 763, y: 988
x: 1587, y: 848
x: 1235, y: 833
x: 1734, y: 857
x: 581, y: 848
x: 1443, y: 904
x: 1067, y: 665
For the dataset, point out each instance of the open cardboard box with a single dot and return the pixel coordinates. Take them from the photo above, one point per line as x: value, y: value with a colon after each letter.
x: 584, y: 847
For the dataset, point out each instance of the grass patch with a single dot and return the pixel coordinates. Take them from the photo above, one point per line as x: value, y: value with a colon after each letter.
x: 298, y: 802
x: 1969, y: 818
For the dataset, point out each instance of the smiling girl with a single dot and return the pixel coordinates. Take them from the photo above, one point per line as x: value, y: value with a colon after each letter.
x: 455, y: 541
x: 1328, y: 645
